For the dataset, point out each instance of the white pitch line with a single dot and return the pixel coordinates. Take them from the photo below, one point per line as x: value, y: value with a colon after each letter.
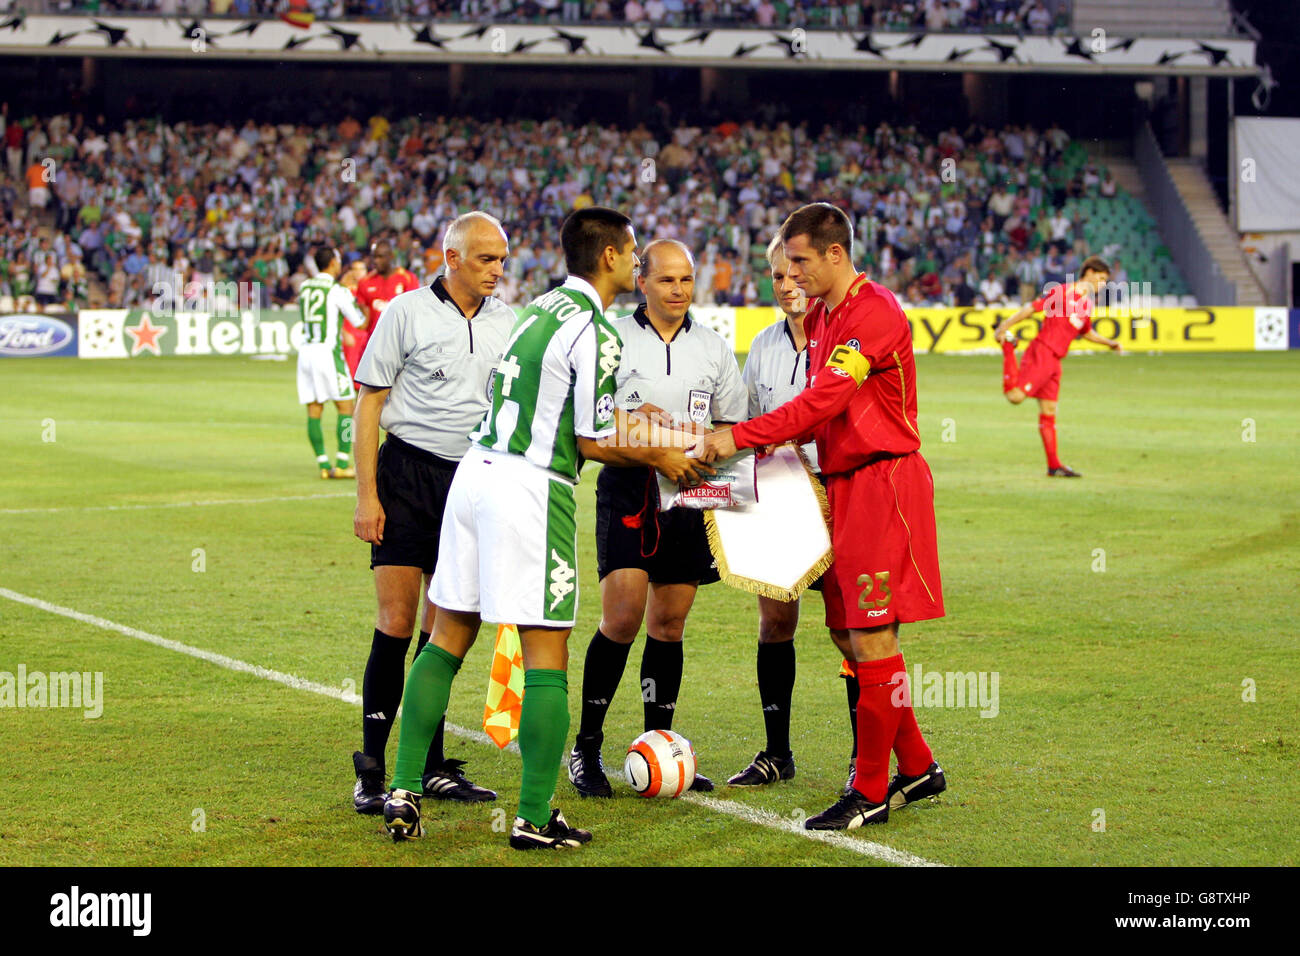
x: 741, y: 811
x: 178, y: 504
x: 773, y: 821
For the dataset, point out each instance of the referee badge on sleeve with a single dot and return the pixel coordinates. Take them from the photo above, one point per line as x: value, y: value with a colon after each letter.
x: 699, y: 407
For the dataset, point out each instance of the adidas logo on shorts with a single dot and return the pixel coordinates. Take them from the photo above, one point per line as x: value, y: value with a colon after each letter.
x: 440, y: 376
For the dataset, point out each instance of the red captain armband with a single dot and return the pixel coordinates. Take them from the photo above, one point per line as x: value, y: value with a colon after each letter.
x: 850, y: 363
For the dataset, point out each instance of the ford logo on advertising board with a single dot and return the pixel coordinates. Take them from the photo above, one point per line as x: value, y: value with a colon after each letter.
x: 33, y: 334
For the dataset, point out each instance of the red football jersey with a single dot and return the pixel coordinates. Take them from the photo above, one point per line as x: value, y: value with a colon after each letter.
x: 1067, y: 314
x: 375, y: 291
x: 860, y: 403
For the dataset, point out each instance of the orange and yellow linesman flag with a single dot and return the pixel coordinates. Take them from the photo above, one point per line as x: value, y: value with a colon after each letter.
x: 505, y: 696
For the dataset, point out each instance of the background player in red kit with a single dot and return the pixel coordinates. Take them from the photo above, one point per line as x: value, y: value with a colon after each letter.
x: 1067, y: 315
x: 374, y: 292
x: 860, y: 405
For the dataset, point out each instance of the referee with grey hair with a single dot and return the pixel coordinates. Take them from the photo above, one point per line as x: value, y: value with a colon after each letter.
x: 651, y: 563
x: 425, y: 379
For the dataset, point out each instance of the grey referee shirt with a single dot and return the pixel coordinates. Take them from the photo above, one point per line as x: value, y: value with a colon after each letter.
x: 438, y: 364
x: 693, y: 375
x: 776, y: 372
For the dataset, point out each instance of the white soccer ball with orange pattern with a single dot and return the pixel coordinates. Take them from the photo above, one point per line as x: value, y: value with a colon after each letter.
x: 660, y: 763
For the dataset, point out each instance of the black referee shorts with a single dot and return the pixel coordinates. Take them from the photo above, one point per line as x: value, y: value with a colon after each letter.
x: 412, y: 485
x: 631, y: 531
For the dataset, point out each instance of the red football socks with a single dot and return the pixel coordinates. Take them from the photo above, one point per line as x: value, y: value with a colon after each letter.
x: 914, y: 756
x: 878, y: 720
x: 1010, y: 370
x: 1047, y: 429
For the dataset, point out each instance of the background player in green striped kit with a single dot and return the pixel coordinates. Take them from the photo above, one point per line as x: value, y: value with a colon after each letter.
x: 322, y: 374
x: 511, y: 521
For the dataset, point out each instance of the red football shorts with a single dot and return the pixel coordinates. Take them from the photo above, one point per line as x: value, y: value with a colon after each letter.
x: 1040, y: 373
x: 886, y: 566
x: 352, y: 353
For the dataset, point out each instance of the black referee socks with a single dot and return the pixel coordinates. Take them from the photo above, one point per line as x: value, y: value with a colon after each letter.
x: 381, y: 691
x: 661, y: 680
x: 601, y: 674
x: 775, y: 688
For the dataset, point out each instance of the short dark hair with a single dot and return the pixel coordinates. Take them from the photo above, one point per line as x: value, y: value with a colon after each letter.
x: 587, y: 233
x: 324, y: 256
x: 824, y: 225
x: 1094, y: 264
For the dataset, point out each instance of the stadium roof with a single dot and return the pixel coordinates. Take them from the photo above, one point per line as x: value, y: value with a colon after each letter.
x: 577, y: 46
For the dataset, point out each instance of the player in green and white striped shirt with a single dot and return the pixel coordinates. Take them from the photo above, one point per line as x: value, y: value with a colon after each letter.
x: 511, y: 521
x: 322, y: 374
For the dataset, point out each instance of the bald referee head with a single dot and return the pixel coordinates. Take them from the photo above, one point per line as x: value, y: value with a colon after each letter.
x: 475, y: 248
x: 667, y: 281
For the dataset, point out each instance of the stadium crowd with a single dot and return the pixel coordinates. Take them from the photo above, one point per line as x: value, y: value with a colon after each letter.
x: 1035, y: 16
x: 952, y: 218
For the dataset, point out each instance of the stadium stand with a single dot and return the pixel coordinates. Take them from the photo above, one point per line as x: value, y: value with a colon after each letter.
x: 947, y: 218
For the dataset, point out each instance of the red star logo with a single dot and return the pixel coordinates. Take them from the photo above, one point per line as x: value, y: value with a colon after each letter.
x: 146, y: 336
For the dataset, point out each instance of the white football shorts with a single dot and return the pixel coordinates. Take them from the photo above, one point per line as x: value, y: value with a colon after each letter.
x: 509, y: 544
x: 323, y: 376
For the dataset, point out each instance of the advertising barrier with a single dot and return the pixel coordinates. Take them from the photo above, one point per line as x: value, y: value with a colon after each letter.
x: 135, y: 333
x: 38, y: 336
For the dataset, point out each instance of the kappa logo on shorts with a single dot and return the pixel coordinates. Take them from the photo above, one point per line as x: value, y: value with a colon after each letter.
x: 561, y: 580
x: 700, y: 402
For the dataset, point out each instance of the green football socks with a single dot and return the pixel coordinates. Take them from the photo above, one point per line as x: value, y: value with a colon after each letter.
x: 543, y: 729
x: 428, y: 688
x: 344, y: 432
x: 317, y: 438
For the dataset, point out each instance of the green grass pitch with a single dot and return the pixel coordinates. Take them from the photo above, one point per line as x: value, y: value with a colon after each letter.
x: 1141, y: 621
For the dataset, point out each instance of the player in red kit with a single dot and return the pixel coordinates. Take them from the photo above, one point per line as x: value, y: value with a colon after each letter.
x: 374, y: 292
x: 1067, y: 315
x: 860, y: 406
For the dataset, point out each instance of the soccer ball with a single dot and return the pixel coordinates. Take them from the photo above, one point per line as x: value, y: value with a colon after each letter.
x: 660, y: 763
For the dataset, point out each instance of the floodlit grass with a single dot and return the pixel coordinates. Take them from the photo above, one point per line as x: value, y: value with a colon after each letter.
x: 1128, y: 616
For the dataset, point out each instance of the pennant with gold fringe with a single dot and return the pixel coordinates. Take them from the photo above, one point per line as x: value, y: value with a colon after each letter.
x: 505, y: 696
x: 781, y: 544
